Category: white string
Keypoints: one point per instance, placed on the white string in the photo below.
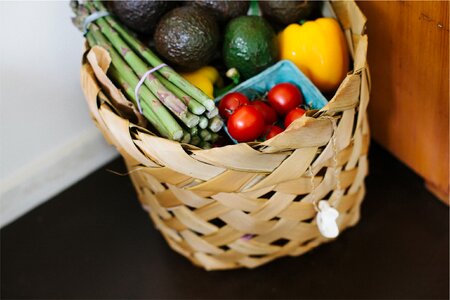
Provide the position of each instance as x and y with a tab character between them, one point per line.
326	214
335	167
141	81
313	188
335	162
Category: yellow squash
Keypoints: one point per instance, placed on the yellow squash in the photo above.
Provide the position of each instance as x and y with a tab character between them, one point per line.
204	78
319	49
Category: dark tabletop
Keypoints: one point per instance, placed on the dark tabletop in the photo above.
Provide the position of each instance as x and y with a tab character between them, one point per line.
94	241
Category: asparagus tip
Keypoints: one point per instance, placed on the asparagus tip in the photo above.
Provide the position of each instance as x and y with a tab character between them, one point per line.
216	124
203	123
195	140
186	138
177	135
205	145
198	110
209	105
212	113
192	121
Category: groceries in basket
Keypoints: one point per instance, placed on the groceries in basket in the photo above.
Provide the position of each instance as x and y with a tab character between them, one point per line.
171	59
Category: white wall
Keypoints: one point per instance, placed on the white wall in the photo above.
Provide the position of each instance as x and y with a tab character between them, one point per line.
47	140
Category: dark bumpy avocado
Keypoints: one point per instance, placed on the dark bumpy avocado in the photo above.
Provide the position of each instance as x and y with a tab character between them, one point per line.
287	12
223	10
249	45
187	37
140	16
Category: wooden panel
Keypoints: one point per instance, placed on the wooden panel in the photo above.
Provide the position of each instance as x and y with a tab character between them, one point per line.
409	108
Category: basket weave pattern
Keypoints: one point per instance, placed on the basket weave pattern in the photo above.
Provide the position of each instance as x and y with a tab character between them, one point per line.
247	204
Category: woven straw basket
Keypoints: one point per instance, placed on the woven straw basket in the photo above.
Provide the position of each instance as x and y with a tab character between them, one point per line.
244	205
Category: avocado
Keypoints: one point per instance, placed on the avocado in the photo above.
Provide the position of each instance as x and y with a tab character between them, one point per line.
140	16
187	37
287	12
249	45
223	10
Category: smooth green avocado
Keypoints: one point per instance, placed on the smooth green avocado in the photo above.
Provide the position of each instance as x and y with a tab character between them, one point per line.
249	45
187	37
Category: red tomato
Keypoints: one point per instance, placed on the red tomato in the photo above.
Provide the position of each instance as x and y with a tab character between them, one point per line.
230	103
284	97
246	124
272	131
293	115
269	114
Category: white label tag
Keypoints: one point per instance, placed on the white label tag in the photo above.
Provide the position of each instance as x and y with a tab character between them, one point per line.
326	220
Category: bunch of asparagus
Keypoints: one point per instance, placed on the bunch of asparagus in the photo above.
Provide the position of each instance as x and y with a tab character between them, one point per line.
176	109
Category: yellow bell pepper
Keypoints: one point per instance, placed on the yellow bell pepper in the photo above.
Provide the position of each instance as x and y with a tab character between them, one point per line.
319	49
204	78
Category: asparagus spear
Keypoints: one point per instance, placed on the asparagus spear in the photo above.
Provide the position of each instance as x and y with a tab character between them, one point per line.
193	105
212	113
194	131
195	140
186	137
147	111
91	40
205	145
205	135
159	111
215	124
203	122
214	137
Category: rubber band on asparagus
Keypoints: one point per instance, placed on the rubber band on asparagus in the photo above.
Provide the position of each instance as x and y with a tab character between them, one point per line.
141	81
